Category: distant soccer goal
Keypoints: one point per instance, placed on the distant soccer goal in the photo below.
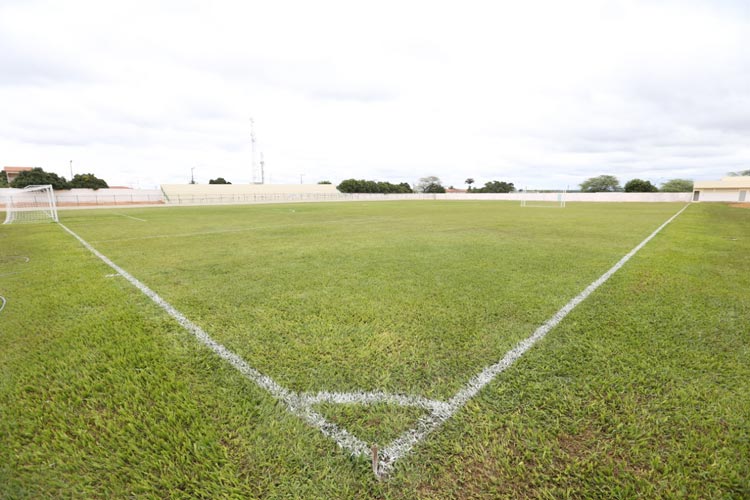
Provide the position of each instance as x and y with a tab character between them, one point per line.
31	204
543	198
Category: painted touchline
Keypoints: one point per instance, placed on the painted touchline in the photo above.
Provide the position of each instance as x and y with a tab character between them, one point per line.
296	405
301	405
430	422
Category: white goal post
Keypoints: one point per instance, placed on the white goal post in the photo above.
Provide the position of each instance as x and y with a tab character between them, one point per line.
31	204
543	198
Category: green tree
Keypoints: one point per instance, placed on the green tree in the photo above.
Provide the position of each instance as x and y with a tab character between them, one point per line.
640	186
87	181
218	180
433	187
740	173
430	184
600	184
324	182
3	179
677	186
496	187
469	182
363	186
37	176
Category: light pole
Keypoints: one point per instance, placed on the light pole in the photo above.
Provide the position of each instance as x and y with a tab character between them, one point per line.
300	178
71	170
192	179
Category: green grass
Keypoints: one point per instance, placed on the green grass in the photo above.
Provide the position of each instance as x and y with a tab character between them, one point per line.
642	391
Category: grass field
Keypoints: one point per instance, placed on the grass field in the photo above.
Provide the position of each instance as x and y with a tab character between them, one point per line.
643	390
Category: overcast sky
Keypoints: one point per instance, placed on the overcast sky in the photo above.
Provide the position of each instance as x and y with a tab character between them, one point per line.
541	93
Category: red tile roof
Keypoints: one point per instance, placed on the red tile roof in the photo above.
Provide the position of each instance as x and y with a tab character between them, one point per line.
15	170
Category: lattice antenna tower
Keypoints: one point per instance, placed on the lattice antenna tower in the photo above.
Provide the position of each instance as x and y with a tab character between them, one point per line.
262	169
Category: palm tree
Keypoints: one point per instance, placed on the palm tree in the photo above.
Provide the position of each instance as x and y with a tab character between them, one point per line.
469	181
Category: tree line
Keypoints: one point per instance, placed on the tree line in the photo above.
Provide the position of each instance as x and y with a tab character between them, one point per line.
429	184
37	176
610	184
363	186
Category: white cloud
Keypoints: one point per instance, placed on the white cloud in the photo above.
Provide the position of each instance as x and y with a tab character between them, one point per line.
541	92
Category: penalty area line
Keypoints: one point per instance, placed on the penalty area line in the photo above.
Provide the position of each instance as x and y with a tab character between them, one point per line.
130	217
296	404
428	423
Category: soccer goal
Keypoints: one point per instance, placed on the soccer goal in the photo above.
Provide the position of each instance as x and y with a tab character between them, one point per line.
31	204
543	198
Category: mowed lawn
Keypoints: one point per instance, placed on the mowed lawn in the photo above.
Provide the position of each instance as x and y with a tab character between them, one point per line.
642	391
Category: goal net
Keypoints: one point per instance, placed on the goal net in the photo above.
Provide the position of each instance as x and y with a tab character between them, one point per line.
31	204
543	198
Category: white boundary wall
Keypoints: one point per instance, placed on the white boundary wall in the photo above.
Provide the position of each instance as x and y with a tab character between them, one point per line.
99	197
87	197
123	197
240	198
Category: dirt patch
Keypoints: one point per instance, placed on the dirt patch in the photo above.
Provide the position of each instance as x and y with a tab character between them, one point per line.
740	205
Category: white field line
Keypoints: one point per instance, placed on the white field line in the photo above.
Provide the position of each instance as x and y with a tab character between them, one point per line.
296	405
301	404
370	398
2	306
130	217
428	423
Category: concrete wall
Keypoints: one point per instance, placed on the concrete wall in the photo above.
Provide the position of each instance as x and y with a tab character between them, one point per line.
573	197
270	193
215	190
99	197
90	197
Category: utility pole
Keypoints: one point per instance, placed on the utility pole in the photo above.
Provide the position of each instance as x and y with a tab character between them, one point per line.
71	170
262	171
192	178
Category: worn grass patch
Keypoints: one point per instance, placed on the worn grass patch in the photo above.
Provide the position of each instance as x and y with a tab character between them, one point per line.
376	424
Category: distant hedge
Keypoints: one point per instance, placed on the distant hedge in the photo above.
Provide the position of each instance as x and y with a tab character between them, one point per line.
363	186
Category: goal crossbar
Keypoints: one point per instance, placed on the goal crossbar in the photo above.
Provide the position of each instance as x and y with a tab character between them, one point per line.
31	204
543	198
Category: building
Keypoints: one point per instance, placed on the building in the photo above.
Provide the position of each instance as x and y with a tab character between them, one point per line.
731	189
12	172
